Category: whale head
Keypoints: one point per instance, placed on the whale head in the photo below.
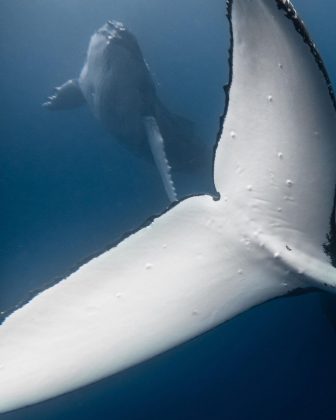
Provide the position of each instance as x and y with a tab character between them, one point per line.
114	35
116	81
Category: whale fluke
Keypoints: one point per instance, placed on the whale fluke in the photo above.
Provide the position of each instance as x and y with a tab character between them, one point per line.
203	261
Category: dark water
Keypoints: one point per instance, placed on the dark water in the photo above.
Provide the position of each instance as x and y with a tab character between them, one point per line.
69	191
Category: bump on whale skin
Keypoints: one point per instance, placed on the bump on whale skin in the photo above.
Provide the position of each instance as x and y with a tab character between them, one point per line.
203	261
117	85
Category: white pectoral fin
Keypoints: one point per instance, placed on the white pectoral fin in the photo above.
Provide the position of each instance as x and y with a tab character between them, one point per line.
161	286
156	143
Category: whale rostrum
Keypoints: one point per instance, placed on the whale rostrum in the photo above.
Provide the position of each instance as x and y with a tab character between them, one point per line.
203	261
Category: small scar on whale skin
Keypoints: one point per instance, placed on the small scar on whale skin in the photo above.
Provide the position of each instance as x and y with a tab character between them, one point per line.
289	248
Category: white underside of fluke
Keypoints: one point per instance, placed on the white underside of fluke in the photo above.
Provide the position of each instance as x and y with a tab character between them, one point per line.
203	261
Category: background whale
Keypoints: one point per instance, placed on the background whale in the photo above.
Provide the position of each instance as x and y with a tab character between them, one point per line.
117	85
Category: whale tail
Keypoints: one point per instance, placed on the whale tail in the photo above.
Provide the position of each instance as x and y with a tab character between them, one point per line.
204	261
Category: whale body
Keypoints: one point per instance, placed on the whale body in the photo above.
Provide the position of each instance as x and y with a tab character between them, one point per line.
204	261
117	84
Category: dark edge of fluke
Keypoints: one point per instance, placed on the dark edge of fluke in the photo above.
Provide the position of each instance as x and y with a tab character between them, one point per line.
330	246
226	89
291	14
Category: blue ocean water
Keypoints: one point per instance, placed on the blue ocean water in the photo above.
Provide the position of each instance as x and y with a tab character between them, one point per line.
69	191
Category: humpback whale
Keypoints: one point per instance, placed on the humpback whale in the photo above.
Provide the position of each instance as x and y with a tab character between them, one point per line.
204	261
117	85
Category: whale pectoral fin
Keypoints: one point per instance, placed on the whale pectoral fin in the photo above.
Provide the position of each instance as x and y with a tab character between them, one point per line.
67	96
190	155
156	144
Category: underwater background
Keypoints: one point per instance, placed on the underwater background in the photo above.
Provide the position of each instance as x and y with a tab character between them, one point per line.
70	191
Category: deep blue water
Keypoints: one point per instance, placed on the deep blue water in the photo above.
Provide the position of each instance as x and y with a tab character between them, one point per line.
68	191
